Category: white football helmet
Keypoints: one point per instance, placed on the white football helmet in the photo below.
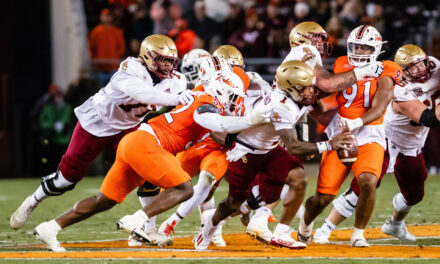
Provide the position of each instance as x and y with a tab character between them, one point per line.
227	88
191	64
210	65
369	38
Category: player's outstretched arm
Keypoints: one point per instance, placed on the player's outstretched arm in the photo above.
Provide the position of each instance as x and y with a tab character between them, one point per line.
329	83
296	147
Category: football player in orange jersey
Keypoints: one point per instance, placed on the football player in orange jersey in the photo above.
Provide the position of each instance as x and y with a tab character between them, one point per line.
361	108
148	155
208	156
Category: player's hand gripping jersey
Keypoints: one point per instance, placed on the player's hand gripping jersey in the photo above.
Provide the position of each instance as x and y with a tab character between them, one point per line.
127	98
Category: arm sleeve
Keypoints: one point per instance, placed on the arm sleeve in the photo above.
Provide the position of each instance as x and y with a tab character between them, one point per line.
217	123
139	90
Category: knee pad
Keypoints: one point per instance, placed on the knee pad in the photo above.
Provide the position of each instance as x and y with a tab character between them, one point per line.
55	184
255	200
400	203
206	179
148	190
345	204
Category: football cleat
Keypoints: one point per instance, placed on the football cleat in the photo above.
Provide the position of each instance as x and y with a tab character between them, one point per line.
130	222
133	242
21	215
217	237
321	237
284	239
45	233
398	231
167	228
152	238
257	228
202	240
358	241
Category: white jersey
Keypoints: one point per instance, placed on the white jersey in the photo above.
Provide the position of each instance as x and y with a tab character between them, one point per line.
127	98
261	139
306	53
407	138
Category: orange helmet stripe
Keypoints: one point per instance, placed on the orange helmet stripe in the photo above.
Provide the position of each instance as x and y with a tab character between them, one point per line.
361	32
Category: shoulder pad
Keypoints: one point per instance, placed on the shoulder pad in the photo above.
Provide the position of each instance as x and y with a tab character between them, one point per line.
207	108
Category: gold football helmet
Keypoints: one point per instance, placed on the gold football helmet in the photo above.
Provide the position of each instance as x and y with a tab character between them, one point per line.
297	80
407	57
156	48
231	54
310	33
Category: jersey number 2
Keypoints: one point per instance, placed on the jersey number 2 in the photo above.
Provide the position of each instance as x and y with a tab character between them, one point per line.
169	118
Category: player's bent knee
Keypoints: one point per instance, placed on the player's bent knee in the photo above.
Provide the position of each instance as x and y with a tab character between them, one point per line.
297	179
345	204
186	190
367	181
103	202
324	199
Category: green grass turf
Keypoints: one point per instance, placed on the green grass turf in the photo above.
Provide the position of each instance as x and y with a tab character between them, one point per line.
103	225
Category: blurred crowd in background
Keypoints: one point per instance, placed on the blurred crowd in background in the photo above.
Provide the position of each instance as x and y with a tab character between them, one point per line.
258	28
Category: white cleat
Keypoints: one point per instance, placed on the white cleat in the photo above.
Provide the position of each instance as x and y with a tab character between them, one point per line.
398	231
321	237
48	236
167	227
152	238
217	237
129	223
133	242
257	228
284	239
359	242
21	215
202	240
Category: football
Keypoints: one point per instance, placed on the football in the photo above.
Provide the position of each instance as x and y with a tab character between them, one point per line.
349	156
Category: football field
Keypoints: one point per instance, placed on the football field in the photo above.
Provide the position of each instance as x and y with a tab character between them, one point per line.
97	240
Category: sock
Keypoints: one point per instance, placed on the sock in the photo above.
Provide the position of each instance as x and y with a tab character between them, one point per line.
146	200
328	226
357	232
395	222
54	225
38	196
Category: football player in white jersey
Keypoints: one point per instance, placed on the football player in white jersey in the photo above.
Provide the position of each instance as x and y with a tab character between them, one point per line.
257	150
140	85
415	109
308	41
191	66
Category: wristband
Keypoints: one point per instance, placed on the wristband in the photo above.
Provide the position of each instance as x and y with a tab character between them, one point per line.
354	123
323	146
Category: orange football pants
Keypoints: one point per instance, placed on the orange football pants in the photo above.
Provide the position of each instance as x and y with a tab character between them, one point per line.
333	172
207	155
139	158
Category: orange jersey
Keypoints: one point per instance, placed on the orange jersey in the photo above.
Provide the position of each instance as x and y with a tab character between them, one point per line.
354	101
177	130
